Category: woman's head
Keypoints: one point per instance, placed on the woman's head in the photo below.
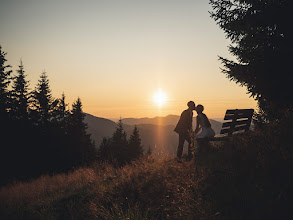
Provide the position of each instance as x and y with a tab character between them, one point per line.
199	108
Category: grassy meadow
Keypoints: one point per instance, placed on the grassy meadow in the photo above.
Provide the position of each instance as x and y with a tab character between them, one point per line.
245	177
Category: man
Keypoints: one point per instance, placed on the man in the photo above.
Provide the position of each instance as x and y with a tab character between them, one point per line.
183	128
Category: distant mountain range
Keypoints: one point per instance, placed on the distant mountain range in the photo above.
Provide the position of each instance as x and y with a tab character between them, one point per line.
155	132
167	120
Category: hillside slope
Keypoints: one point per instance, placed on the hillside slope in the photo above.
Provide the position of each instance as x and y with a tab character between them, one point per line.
99	127
144	190
230	180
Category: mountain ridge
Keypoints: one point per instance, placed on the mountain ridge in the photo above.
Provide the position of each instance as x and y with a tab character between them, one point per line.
155	132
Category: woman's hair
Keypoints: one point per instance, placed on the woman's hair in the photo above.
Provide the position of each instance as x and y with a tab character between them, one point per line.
199	108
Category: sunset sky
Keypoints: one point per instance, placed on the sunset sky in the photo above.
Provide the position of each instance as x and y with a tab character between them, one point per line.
117	54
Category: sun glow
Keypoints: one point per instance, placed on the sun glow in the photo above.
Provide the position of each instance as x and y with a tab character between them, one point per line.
160	98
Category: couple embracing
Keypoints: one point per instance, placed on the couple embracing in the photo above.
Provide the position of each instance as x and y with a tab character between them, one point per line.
184	128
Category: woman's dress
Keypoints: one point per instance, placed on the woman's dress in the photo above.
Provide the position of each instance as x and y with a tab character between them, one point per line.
206	129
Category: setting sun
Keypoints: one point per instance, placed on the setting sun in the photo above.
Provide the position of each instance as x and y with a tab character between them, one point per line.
160	98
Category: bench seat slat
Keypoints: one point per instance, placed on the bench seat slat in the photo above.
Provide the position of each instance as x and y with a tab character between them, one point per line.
237	123
239	111
239	116
240	120
239	128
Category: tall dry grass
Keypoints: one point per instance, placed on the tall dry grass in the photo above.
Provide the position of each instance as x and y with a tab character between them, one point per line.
147	189
247	177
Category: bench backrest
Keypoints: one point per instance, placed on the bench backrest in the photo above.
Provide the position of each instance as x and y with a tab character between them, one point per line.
238	120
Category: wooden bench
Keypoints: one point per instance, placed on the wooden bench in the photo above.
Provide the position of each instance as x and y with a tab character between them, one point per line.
238	120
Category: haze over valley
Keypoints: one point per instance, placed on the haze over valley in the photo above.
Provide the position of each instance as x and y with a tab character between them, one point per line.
157	131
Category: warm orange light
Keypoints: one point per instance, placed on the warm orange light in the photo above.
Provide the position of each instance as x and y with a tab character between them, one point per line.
160	98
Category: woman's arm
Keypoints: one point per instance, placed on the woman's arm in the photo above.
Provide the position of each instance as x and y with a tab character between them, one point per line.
207	121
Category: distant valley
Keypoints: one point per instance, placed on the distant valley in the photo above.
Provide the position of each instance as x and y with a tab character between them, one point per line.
156	131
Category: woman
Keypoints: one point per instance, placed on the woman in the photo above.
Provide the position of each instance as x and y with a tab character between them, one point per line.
204	125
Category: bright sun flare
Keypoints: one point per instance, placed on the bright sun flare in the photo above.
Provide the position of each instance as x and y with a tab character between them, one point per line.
160	98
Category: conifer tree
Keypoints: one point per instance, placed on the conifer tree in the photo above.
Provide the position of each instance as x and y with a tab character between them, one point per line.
20	95
119	136
260	33
115	149
42	100
104	153
83	145
119	144
135	147
77	125
149	152
61	113
4	83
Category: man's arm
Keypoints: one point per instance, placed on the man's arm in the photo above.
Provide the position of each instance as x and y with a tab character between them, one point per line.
197	129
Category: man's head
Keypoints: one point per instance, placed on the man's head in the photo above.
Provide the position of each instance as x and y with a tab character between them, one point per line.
191	105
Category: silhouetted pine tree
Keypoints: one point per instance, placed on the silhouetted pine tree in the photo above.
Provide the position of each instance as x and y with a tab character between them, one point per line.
4	83
83	147
115	149
119	144
119	136
77	125
149	151
20	95
6	135
61	113
104	152
54	140
42	101
261	34
135	148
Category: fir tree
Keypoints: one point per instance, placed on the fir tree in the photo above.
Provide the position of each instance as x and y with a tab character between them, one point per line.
61	113
119	145
149	151
4	83
43	101
77	125
119	136
20	95
260	35
135	147
104	150
83	146
115	149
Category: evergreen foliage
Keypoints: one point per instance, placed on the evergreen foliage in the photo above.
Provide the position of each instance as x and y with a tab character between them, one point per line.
149	151
43	101
20	95
38	132
135	147
82	145
77	126
119	135
61	113
5	80
104	153
260	38
115	150
118	150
